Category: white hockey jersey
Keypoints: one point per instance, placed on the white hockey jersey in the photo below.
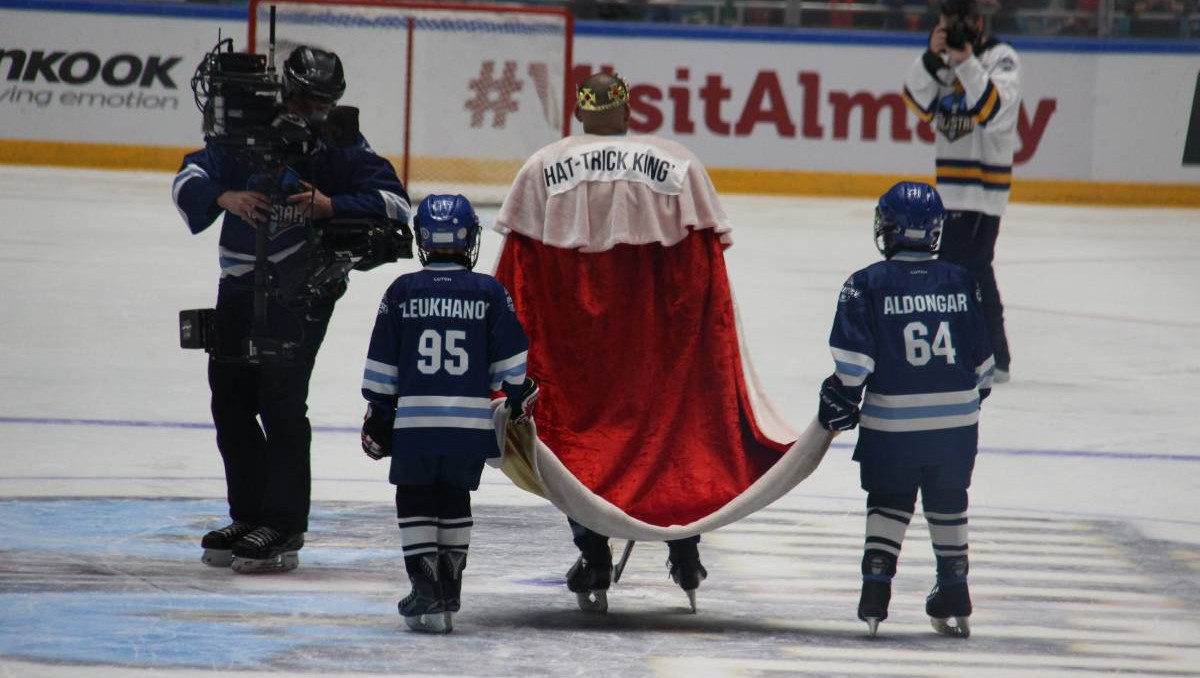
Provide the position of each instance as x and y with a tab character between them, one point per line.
974	108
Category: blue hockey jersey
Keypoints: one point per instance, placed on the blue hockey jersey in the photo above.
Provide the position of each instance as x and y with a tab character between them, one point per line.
359	183
445	339
910	332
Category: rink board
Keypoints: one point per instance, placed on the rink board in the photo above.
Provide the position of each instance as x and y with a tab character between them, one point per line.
779	112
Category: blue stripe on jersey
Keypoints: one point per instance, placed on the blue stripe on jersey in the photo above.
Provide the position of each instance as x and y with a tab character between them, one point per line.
475	412
919	412
515	375
919	425
849	368
379	383
380	377
444	422
510	370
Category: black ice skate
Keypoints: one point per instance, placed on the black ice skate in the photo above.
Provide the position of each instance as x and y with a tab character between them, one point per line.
688	573
878	568
423	608
266	549
950	601
450	568
218	544
589	581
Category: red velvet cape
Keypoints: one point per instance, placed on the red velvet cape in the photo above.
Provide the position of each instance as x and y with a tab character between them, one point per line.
636	351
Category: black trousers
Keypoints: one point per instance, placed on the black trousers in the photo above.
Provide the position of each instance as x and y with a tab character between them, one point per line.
969	240
261	416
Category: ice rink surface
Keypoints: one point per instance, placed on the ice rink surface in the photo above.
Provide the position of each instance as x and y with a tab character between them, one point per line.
1085	518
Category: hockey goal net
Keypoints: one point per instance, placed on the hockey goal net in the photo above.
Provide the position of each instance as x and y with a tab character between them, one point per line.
457	96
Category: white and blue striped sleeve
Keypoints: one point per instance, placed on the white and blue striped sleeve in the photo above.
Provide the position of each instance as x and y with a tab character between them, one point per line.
508	371
508	348
381	375
196	188
852	341
981	354
983	375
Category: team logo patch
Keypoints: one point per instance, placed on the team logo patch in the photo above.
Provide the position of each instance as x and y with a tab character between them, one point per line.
953	120
849	291
383	307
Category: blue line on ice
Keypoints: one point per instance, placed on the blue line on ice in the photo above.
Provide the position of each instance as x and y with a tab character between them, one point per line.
1014	452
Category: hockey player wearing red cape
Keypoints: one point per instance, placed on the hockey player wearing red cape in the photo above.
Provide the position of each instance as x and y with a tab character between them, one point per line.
651	425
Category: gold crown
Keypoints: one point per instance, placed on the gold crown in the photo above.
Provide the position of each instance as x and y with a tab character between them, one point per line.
617	95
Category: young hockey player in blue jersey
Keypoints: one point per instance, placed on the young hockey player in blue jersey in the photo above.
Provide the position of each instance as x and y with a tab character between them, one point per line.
910	332
445	339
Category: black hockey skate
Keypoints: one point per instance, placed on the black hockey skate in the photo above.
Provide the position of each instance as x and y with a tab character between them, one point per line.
589	581
423	608
218	544
878	568
687	573
950	601
265	549
450	568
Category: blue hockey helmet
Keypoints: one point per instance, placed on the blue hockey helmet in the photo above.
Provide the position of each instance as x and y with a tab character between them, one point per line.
447	230
909	217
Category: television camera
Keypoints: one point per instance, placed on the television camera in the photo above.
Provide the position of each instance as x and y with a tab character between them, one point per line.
241	98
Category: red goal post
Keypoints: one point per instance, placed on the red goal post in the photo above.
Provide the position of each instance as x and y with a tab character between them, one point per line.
458	96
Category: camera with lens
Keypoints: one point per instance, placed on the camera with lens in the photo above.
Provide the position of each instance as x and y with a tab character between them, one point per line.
241	98
333	248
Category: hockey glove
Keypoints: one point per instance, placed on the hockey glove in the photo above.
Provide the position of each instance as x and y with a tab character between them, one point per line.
836	412
377	431
520	406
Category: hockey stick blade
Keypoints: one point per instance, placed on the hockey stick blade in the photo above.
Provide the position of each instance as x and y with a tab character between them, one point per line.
624	559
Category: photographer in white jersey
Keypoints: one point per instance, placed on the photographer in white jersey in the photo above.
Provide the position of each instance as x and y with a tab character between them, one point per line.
968	84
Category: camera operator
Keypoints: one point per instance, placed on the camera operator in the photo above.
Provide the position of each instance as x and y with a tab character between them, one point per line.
969	85
267	470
